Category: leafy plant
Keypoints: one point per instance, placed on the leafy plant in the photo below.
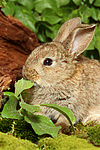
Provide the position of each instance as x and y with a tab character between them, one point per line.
40	124
2	3
44	17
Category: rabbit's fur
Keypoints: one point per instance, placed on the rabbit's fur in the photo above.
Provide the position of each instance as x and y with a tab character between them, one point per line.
70	79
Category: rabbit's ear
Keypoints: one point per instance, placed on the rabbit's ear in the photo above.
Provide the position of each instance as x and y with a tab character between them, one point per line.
79	39
67	28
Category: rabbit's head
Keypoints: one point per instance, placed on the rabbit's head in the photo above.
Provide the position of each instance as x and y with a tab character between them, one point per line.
54	62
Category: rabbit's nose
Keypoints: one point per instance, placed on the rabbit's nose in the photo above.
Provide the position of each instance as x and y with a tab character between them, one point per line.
30	74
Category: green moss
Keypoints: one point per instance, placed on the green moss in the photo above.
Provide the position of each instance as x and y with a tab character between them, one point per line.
91	132
65	142
18	128
81	131
8	142
24	130
5	125
94	134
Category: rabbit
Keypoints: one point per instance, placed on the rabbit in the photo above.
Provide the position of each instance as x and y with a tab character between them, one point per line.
62	76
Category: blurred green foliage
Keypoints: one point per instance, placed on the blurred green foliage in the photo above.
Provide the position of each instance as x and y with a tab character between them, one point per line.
2	3
44	17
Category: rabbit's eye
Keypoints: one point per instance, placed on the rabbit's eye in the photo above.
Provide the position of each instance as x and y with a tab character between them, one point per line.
48	62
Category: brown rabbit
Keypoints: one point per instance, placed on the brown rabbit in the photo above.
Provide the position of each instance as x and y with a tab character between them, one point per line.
64	77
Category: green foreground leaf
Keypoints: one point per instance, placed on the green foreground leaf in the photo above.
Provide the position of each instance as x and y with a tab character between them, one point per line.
42	125
9	93
63	110
22	85
29	108
9	110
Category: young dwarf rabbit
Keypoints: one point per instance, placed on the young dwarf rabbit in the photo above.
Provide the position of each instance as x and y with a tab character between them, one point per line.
64	77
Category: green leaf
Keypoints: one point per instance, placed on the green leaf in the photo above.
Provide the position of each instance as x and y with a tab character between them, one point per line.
99	15
53	32
22	85
63	110
2	3
40	5
27	3
91	1
12	0
67	13
9	9
26	17
26	95
62	2
77	2
42	125
85	13
92	44
74	13
9	110
97	42
29	108
42	26
36	16
9	93
97	3
94	13
50	16
93	54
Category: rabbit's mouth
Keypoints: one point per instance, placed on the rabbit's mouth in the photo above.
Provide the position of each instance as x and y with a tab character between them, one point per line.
31	74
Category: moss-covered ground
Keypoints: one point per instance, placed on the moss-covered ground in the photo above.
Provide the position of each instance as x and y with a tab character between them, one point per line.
62	142
8	142
18	135
65	142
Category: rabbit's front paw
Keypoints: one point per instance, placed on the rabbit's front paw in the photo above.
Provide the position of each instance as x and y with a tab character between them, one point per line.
64	123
